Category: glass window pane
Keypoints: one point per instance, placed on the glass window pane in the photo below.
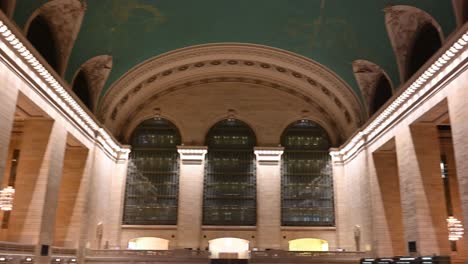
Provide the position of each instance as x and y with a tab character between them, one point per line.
306	178
153	175
230	186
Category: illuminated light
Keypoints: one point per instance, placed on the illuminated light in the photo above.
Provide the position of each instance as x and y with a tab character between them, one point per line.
442	61
6	33
28	259
465	37
14	42
455	228
446	56
7	195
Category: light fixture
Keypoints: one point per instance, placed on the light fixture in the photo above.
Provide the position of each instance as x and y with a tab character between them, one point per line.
455	228
6	198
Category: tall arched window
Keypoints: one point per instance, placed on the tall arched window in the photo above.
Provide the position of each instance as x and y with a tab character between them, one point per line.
153	174
306	178
81	89
41	37
230	180
382	92
426	43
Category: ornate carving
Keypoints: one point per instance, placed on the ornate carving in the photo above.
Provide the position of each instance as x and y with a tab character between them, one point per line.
64	18
97	70
282	69
367	75
403	23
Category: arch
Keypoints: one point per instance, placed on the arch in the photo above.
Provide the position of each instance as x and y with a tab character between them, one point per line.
376	87
306	177
148	243
229	247
426	42
81	88
151	196
248	99
41	37
147	83
229	196
64	18
96	70
383	92
404	25
460	8
8	7
308	244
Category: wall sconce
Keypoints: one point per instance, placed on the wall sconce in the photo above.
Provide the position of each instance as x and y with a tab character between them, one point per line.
6	198
455	228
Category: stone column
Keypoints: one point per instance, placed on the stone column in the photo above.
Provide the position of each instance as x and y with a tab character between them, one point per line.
421	188
190	212
117	198
37	184
71	197
388	222
338	195
269	197
459	125
8	98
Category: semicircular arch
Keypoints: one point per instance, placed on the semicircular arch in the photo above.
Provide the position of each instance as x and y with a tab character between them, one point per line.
213	62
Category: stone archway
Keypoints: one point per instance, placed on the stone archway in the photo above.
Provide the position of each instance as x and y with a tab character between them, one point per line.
331	100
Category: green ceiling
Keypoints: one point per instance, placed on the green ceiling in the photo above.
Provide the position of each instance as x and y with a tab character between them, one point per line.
331	32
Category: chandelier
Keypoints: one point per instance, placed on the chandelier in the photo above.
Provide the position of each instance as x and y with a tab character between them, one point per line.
6	198
455	228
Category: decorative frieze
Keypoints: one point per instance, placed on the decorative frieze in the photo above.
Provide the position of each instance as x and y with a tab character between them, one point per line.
268	155
192	155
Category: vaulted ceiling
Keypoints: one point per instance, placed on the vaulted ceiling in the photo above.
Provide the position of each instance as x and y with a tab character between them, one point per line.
331	32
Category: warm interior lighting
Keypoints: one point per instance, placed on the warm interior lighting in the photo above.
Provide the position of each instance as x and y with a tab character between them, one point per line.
455	228
148	243
6	198
308	244
229	247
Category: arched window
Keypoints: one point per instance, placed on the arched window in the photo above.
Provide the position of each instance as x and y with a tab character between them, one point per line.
426	43
230	185
382	92
41	37
81	89
306	178
153	174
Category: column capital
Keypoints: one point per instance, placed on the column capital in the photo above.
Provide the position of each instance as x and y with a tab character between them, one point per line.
268	155
192	155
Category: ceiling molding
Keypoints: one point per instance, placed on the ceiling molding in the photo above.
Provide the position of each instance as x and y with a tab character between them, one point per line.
295	73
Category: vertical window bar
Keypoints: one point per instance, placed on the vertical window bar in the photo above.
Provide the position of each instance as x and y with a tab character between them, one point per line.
153	175
230	179
306	178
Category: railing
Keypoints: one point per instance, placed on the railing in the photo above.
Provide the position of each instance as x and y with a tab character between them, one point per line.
59	251
279	256
281	253
177	253
187	256
17	248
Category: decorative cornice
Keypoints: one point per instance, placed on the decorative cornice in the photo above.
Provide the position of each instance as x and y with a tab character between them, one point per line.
268	155
403	24
17	49
182	67
447	63
192	155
